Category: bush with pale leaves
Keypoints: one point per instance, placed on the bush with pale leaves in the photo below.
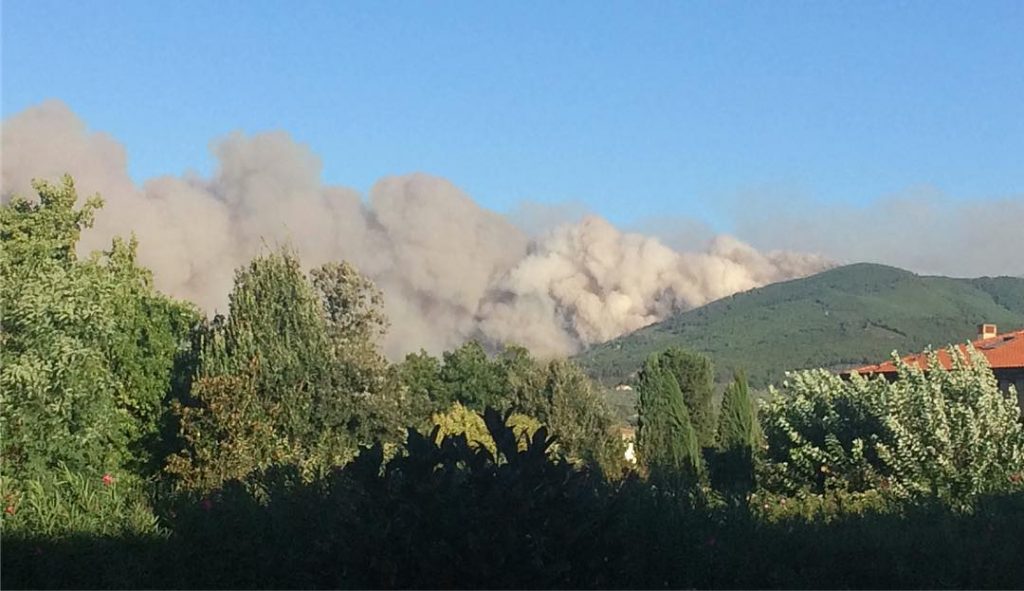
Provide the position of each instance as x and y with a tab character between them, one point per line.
950	434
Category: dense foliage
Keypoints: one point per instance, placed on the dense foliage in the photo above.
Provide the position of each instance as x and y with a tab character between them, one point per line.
88	347
739	439
275	447
951	435
290	376
447	514
460	421
667	442
737	418
695	376
557	394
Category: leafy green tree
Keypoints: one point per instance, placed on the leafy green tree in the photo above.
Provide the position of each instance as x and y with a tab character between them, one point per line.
473	379
353	306
580	420
666	440
821	435
557	394
695	376
88	348
525	381
420	374
309	382
353	310
234	433
47	230
148	350
276	320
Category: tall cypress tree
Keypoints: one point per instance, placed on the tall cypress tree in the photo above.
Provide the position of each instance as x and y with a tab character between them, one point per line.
737	422
732	469
666	440
695	376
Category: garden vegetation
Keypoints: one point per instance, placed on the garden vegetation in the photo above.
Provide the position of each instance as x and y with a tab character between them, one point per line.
146	445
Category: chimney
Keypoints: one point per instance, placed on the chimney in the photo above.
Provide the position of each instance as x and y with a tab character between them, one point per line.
987	331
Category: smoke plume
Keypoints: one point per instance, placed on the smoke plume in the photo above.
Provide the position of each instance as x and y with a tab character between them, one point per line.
450	270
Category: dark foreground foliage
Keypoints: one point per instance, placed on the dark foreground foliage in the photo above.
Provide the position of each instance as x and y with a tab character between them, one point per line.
453	515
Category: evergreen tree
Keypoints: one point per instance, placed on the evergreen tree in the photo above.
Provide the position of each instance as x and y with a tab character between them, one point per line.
732	466
737	419
695	376
666	440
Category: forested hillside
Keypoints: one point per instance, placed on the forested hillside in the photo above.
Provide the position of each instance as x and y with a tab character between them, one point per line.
837	319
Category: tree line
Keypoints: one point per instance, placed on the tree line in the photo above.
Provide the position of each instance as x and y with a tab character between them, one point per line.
276	446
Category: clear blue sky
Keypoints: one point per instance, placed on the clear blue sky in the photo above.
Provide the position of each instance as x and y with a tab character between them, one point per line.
637	109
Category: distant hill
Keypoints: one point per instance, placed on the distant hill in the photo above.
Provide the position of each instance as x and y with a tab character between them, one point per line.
838	319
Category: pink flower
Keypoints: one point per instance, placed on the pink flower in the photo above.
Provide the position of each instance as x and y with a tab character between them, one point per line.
9	510
108	480
206	504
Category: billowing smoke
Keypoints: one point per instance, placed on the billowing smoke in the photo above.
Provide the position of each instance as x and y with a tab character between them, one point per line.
450	270
597	283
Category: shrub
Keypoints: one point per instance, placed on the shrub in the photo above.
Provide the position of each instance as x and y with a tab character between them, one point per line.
63	503
951	435
459	420
821	434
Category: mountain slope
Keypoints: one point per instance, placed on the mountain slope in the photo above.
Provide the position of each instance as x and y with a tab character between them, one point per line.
841	318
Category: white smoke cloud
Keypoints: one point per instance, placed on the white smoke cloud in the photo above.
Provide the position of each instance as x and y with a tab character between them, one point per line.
450	270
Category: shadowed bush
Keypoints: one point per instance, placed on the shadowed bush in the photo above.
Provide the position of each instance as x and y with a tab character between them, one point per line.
447	514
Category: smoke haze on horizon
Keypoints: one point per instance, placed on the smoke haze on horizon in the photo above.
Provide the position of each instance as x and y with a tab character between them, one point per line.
552	278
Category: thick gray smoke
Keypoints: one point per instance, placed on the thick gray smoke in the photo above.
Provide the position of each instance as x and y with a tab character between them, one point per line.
450	270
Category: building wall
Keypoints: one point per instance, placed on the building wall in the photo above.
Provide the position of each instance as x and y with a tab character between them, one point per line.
1012	377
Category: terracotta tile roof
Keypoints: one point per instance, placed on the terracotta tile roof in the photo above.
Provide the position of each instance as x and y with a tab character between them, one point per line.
1002	351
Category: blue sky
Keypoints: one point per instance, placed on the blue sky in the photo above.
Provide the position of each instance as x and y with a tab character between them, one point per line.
637	109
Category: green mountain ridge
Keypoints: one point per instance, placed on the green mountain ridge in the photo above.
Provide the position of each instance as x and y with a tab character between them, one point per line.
838	319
